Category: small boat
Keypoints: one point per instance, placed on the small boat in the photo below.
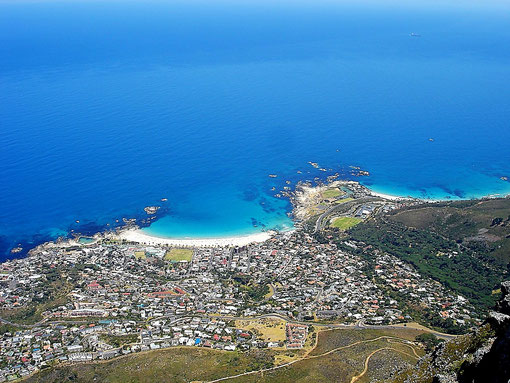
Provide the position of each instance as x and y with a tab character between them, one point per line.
273	175
412	34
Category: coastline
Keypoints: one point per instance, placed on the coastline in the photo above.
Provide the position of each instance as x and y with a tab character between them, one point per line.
300	198
433	200
396	197
136	235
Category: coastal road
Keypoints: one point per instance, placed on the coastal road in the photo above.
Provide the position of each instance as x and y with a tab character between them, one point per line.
352	206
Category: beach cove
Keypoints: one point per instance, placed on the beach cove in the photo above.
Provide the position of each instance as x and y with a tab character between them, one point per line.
203	116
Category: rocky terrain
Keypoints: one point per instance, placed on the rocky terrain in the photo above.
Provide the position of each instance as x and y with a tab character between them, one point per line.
482	356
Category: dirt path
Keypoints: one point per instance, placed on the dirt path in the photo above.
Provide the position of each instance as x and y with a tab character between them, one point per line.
307	356
408	345
359	376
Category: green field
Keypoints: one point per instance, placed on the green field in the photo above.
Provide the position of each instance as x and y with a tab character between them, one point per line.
332	193
119	340
344	223
178	255
140	255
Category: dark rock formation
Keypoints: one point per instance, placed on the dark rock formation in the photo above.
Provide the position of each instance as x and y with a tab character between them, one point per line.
482	356
492	364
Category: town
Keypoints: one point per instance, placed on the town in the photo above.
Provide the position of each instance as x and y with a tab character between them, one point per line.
77	302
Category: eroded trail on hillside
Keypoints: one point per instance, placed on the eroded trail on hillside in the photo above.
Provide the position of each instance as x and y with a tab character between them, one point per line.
367	360
308	356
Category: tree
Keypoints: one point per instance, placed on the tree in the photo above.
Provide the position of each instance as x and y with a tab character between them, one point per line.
430	341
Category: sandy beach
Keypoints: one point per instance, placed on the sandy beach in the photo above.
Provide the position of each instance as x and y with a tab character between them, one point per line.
389	196
137	235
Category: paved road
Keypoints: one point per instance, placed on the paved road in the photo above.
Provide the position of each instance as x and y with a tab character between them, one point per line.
359	325
354	205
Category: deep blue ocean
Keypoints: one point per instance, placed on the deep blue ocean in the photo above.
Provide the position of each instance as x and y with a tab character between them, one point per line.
108	106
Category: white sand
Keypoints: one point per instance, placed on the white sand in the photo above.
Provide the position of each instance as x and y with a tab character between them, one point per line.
136	235
388	196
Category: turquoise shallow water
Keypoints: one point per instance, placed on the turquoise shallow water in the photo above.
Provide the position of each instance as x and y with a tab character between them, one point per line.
193	217
107	107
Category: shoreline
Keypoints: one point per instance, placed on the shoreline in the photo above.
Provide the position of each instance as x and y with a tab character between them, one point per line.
303	191
396	197
136	235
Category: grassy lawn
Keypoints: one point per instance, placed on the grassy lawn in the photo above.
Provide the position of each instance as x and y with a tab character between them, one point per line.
140	255
177	255
332	193
119	340
344	223
270	293
270	330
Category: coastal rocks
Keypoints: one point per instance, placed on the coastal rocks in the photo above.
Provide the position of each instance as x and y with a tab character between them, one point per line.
358	172
332	177
16	250
151	209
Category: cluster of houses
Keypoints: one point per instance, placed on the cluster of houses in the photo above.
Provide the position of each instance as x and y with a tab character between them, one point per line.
296	335
130	293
